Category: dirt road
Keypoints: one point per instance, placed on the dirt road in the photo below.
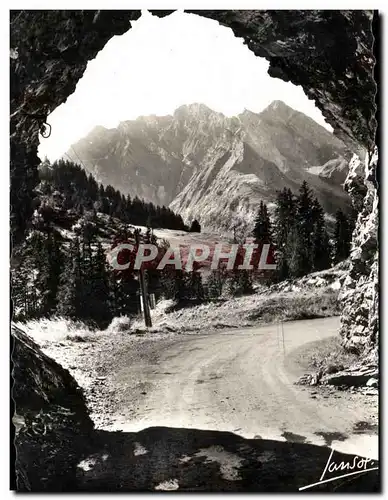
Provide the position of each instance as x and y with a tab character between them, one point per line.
214	412
240	381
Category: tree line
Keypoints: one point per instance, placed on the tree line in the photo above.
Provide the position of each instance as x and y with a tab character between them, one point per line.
73	279
298	231
53	276
80	192
70	279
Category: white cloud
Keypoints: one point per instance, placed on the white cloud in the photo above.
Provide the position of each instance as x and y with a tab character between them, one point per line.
161	64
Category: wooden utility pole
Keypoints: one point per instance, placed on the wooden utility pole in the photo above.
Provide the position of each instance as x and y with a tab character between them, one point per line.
143	289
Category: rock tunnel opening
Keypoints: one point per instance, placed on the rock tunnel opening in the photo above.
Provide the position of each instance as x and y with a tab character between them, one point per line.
121	83
160	76
301	46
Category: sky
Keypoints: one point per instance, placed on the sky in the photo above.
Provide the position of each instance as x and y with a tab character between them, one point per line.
161	64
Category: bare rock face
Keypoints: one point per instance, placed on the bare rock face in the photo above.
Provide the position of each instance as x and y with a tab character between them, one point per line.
214	168
53	428
360	317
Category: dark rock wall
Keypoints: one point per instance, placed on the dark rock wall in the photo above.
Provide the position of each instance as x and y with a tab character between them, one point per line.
328	53
49	51
360	294
53	427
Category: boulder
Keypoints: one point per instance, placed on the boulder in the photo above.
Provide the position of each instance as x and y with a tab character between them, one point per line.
349	378
52	425
373	382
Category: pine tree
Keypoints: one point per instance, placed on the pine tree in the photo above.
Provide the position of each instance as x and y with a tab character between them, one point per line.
81	191
238	282
182	281
215	283
262	231
195	227
195	286
129	296
148	235
26	285
245	282
52	272
37	276
304	227
320	243
296	253
86	276
285	213
342	237
71	292
308	246
168	286
114	294
99	306
38	264
284	220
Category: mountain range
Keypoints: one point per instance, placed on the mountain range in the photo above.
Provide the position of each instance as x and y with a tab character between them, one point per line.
215	168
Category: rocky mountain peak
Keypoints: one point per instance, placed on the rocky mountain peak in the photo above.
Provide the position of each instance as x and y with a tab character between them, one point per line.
279	110
247	113
196	113
98	130
193	109
280	106
215	168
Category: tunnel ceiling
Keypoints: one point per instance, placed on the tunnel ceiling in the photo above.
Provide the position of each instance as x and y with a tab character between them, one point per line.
328	53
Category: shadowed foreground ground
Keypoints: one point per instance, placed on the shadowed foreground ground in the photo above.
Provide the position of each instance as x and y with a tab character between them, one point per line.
162	458
59	449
